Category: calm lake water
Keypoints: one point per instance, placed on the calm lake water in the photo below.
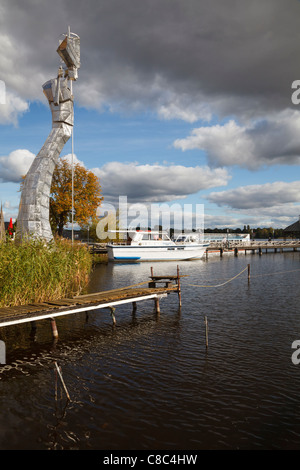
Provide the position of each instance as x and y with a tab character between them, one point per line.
149	382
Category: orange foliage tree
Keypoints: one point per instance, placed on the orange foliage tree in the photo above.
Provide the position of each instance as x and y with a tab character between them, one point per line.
87	196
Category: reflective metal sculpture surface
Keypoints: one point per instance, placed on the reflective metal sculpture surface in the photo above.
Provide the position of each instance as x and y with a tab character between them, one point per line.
33	218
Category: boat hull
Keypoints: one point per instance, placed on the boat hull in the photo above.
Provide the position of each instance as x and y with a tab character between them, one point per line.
155	253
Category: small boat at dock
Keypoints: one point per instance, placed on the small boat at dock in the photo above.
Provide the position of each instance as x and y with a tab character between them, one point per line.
144	245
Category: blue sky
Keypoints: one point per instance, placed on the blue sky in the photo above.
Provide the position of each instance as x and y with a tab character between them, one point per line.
183	102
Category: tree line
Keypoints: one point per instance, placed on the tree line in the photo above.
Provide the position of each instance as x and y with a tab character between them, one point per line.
265	232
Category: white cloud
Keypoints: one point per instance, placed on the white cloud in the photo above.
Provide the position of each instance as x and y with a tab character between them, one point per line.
15	165
69	159
156	183
274	140
183	106
13	107
263	197
221	221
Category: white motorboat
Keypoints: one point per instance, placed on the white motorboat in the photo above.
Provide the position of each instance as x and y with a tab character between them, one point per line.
156	246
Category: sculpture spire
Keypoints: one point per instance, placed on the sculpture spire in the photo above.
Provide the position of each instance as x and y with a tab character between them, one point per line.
33	218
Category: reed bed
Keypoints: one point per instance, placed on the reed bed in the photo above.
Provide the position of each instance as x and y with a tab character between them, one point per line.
34	272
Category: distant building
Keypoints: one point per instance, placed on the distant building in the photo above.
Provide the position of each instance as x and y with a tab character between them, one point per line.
224	237
293	229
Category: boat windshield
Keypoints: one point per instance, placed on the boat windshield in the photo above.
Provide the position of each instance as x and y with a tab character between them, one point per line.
139	236
188	238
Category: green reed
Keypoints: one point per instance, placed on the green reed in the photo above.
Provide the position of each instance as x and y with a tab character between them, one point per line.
35	272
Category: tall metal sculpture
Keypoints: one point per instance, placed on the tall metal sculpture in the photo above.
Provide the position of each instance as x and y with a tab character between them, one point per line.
33	219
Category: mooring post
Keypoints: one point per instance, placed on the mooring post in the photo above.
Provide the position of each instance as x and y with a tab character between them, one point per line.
54	328
133	307
248	272
206	331
112	313
152	282
33	330
178	288
156	301
33	327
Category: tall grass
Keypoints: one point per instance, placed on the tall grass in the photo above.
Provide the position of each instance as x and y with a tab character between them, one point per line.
35	272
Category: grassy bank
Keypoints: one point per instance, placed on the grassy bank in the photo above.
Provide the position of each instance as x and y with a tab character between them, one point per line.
33	272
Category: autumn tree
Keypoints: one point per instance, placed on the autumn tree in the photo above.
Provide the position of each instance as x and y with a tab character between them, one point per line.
87	196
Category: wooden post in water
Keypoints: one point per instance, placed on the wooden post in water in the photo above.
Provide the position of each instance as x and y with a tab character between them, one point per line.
54	328
33	330
206	331
248	272
178	284
156	301
112	313
133	307
152	283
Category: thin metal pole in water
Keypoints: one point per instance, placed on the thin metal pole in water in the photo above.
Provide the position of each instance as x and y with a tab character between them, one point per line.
58	368
206	331
179	288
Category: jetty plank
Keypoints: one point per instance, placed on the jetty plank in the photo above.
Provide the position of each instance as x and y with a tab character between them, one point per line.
31	312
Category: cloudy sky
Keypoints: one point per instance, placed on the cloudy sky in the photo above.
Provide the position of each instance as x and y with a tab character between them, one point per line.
185	101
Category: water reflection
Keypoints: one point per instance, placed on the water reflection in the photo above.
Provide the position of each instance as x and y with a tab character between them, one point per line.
149	382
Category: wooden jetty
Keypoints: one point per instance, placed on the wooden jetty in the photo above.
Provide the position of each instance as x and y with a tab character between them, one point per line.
275	246
157	288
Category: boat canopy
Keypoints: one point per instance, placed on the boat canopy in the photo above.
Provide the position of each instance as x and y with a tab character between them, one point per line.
139	235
